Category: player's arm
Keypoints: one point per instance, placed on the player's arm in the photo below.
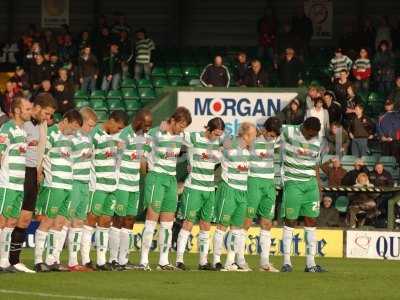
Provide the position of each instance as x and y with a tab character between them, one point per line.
4	141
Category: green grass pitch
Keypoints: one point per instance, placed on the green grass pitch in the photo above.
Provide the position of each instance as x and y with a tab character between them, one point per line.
346	279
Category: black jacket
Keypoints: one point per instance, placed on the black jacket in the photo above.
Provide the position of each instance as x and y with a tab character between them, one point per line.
290	72
61	97
38	73
215	75
350	178
335	112
89	67
240	72
256	80
112	65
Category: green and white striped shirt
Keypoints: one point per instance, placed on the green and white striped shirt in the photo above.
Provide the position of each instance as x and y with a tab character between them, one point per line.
262	158
57	160
235	165
300	157
105	160
143	50
82	154
12	148
134	149
164	151
203	155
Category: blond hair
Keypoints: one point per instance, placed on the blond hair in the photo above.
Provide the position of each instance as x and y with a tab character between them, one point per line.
245	128
88	113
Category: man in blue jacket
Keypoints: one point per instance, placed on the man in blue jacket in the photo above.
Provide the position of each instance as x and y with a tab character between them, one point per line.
388	129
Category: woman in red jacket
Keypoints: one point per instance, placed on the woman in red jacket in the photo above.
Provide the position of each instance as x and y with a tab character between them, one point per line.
362	71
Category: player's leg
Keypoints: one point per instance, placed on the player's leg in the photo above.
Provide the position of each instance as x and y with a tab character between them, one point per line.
102	232
292	195
310	211
153	195
87	233
18	235
3	221
189	207
167	216
206	216
127	237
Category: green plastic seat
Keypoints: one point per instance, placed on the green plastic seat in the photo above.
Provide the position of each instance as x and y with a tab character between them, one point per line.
177	81
79	94
128	82
388	161
133	105
114	94
341	204
98	94
369	160
160	82
191	72
144	83
116	105
147	93
374	97
79	103
349	159
194	82
174	72
159	72
130	94
102	115
98	104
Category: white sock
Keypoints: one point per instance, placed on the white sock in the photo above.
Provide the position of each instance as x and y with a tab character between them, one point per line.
217	245
287	237
101	244
232	247
265	245
164	242
311	243
5	241
74	245
52	241
61	237
113	244
181	244
125	245
40	242
147	240
86	243
204	245
241	247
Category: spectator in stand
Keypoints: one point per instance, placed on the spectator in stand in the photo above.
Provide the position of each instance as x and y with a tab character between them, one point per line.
39	71
54	65
395	94
256	76
339	63
334	108
340	87
21	78
30	56
63	97
352	101
266	28
215	74
384	33
143	48
294	115
335	172
7	98
125	45
337	139
120	25
241	68
290	70
314	92
351	176
287	39
328	215
45	87
112	70
302	28
360	131
63	77
103	43
362	202
321	114
362	71
88	70
49	42
84	40
384	68
380	177
388	129
68	51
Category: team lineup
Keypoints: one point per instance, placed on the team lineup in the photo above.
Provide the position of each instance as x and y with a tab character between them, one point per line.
81	178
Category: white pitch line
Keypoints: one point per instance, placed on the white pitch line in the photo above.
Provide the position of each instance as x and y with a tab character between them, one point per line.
13	292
